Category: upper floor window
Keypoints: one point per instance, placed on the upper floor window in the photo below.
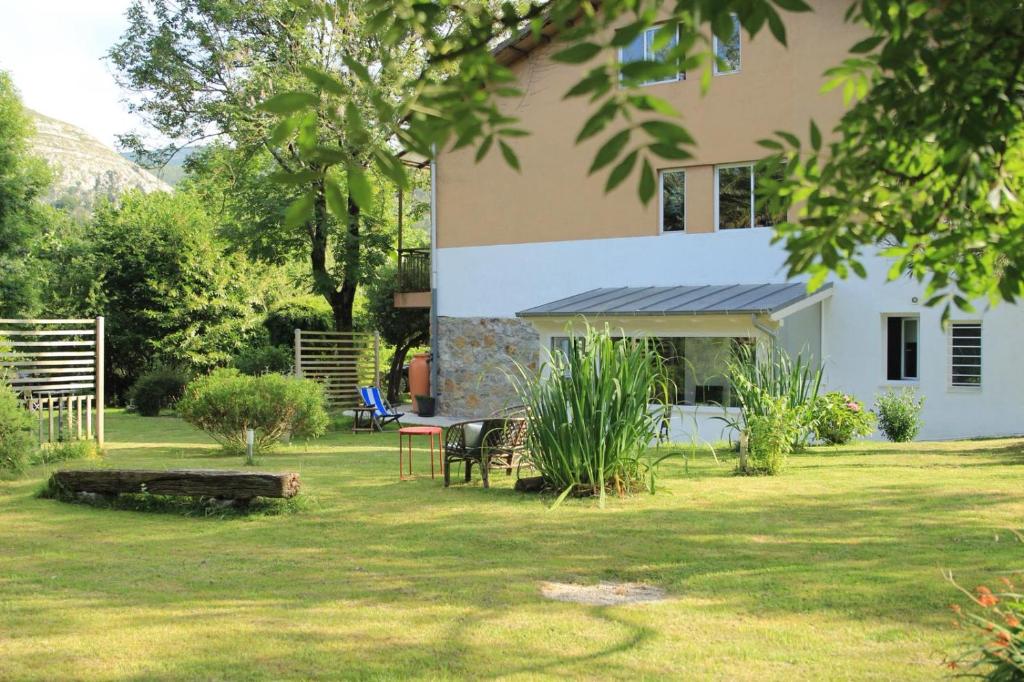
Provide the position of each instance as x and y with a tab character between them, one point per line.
728	51
965	354
642	49
736	204
673	201
901	348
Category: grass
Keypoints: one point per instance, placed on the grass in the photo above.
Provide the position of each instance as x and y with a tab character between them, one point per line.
829	571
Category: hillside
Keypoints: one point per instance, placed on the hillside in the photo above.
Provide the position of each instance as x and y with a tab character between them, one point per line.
174	171
84	168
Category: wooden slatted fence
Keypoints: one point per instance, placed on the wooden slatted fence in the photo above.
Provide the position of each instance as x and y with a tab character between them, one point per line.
340	361
56	366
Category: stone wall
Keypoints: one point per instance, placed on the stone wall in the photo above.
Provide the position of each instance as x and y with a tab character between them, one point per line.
477	356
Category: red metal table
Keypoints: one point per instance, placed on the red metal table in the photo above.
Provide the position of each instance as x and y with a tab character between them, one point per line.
408	432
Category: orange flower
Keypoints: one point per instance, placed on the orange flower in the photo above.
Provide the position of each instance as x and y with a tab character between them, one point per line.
1006	581
985	597
952	665
1002	639
955	608
1012	620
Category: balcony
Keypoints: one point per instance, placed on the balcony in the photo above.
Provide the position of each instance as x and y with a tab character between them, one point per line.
413	290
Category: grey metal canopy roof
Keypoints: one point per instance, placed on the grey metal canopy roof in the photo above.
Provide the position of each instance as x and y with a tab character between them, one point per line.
710	299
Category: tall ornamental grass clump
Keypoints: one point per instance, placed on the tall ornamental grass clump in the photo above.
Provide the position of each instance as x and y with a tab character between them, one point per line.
227	403
594	412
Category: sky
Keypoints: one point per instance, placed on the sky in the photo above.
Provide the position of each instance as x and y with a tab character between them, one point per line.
54	51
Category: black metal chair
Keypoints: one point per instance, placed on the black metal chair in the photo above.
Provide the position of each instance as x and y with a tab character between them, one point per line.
498	442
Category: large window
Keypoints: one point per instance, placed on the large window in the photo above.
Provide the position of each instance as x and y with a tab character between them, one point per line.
902	348
965	354
642	49
673	201
697	368
737	197
728	51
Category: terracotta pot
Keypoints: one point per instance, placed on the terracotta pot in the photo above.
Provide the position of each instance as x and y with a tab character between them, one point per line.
419	378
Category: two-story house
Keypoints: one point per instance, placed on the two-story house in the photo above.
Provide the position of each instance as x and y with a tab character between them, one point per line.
518	256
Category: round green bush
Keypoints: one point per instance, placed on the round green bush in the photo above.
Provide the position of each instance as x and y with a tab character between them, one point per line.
263	359
899	414
309	313
156	390
16	442
838	418
226	403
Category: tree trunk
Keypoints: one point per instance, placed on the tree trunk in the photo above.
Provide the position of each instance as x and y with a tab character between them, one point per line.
207	482
341	299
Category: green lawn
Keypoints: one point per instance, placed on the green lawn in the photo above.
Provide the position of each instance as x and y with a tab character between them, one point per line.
830	571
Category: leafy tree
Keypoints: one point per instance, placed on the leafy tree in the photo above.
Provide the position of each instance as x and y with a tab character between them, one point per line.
170	294
404	328
203	67
928	160
23	178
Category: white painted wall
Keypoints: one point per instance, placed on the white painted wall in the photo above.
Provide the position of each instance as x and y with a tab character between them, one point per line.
498	281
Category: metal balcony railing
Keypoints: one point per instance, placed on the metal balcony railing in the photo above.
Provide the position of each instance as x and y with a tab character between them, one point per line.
413	270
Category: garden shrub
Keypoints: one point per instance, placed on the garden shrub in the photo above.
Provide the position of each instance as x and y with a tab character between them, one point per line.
899	414
771	435
226	403
157	389
592	416
16	441
308	313
264	359
839	418
66	451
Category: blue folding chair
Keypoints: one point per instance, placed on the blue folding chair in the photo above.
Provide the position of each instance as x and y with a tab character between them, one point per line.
383	413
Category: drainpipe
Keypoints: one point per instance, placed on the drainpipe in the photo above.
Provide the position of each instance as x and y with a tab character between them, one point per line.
434	356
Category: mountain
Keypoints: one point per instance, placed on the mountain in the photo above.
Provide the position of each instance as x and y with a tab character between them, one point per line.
174	171
84	168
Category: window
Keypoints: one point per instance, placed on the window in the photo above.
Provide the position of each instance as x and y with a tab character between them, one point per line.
697	368
736	199
642	50
965	354
901	348
673	201
728	51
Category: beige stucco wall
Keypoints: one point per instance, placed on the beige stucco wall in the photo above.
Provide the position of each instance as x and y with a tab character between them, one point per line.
778	88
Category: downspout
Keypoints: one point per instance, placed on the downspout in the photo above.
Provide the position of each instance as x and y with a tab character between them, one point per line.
434	356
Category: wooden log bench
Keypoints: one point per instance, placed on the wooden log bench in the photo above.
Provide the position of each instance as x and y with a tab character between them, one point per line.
218	483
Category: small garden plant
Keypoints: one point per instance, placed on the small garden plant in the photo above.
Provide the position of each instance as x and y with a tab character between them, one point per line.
770	434
840	418
227	403
899	414
997	620
16	442
593	414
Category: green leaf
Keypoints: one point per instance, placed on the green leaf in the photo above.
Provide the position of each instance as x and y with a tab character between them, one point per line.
647	183
484	147
815	137
867	45
509	154
621	171
670	151
289	102
323	80
667	132
336	203
793	5
359	187
300	211
577	54
360	71
610	150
